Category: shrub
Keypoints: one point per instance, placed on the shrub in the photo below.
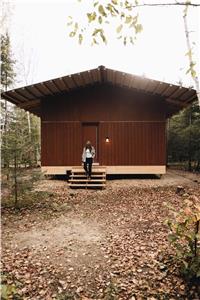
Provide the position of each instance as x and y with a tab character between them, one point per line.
185	237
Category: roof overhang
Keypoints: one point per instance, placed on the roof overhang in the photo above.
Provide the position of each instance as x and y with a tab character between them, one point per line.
30	97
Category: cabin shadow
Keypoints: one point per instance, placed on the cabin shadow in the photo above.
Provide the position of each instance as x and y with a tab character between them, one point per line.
132	176
112	177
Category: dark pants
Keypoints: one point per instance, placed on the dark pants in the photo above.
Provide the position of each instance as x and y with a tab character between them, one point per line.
88	166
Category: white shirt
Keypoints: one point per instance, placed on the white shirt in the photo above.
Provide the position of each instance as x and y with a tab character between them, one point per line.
88	153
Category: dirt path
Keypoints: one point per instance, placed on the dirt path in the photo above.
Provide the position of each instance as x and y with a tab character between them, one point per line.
87	244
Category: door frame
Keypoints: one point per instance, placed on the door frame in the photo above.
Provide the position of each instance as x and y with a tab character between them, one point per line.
97	136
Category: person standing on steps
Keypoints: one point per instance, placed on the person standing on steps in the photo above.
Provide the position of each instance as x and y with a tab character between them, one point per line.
87	158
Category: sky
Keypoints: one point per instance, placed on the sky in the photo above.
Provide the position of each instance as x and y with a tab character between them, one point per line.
43	49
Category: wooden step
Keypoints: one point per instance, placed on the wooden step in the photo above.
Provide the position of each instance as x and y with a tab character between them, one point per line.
78	178
93	171
84	176
86	185
87	180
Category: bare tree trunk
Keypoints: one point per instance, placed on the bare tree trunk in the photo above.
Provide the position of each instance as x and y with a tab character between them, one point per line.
15	179
29	136
6	163
5	117
189	48
189	143
29	123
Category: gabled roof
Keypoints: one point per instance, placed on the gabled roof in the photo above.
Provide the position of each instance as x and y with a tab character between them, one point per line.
29	97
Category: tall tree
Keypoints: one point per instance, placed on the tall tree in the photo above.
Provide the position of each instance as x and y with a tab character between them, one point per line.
191	68
184	138
18	151
7	79
7	75
7	63
26	70
13	118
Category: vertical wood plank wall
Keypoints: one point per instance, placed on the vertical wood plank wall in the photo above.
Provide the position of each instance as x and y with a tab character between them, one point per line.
61	144
131	143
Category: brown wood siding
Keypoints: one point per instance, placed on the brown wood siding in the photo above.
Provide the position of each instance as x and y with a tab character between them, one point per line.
61	144
131	143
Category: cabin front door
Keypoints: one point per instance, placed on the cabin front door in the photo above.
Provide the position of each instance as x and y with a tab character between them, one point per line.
90	133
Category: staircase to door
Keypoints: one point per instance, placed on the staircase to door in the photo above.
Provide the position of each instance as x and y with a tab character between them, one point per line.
78	179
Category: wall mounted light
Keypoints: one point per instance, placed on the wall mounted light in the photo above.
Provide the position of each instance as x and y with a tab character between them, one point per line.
107	139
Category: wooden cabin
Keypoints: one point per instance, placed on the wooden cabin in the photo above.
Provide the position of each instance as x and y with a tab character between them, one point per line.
123	115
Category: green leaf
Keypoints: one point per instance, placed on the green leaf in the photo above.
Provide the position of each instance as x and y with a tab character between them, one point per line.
189	53
69	23
128	19
138	28
72	33
134	21
119	28
192	64
128	5
185	264
96	31
188	71
4	291
94	41
76	26
193	73
80	38
103	37
112	10
102	11
179	253
198	236
100	19
91	16
131	40
7	290
172	237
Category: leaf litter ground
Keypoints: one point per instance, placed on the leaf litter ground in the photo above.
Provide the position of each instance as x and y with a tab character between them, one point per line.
93	244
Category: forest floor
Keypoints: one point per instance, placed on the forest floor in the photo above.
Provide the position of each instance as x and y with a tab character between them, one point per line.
97	244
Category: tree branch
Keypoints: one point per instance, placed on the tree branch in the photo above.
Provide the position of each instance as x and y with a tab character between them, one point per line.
164	4
191	62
